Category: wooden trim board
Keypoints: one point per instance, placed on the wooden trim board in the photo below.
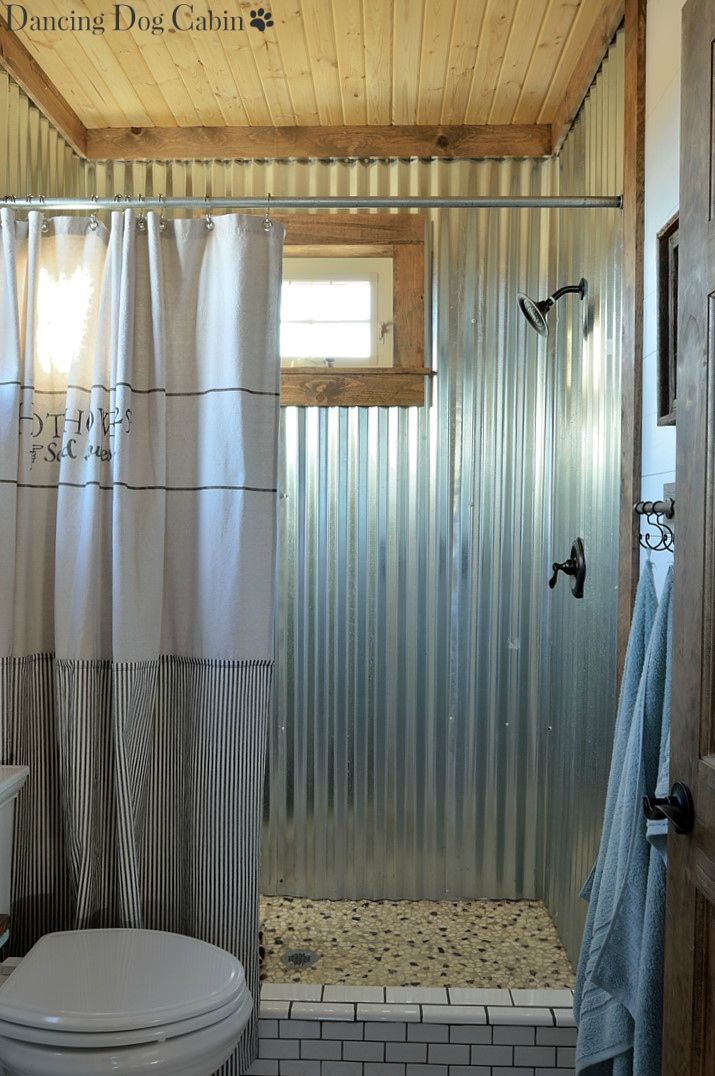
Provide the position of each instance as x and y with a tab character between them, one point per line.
632	332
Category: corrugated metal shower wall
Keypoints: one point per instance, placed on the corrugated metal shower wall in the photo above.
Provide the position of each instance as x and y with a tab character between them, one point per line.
404	748
579	692
443	722
34	158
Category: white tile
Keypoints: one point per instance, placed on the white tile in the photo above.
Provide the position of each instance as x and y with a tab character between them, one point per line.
268	1029
521	1015
566	1057
511	1071
300	1068
543	998
544	1056
299	1029
454	1014
414	1052
427	1033
433	995
471	1033
470	1070
472	996
448	1053
383	1068
341	1068
391	1013
264	1067
564	1018
321	1049
364	1051
288	1048
322	1010
556	1036
339	1030
516	1036
274	1010
427	1070
386	1032
354	993
291	992
491	1055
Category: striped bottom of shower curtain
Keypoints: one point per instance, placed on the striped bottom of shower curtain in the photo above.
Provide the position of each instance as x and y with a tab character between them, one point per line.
143	805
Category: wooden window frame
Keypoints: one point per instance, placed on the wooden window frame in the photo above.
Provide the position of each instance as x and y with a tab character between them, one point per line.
667	241
400	236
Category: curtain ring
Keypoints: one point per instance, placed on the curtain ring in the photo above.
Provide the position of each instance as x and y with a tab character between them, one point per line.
93	222
162	220
267	222
209	218
44	227
141	217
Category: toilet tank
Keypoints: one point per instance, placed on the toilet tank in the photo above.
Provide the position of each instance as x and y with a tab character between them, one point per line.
12	778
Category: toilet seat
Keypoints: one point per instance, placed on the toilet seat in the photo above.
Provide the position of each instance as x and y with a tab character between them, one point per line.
99	989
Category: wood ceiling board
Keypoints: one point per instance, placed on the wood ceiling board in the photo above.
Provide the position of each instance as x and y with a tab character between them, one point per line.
28	74
545	59
434	63
351	59
320	35
269	65
286	143
523	41
609	18
242	62
296	64
409	16
84	88
490	57
469	16
378	30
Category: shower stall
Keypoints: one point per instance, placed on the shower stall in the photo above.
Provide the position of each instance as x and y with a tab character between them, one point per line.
442	719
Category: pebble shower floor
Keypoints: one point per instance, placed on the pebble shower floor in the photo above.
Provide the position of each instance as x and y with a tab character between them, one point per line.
483	943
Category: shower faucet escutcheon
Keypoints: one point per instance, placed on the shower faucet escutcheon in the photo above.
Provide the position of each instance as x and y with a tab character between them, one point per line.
575	567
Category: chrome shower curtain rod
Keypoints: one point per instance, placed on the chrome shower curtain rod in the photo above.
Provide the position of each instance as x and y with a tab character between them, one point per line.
330	202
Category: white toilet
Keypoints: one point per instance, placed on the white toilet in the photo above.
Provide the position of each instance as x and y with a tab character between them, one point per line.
89	1002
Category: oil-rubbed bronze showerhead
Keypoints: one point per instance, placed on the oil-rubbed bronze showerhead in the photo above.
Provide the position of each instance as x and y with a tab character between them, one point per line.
536	312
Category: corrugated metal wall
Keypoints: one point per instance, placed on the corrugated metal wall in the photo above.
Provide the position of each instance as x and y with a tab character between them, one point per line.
34	158
579	692
403	754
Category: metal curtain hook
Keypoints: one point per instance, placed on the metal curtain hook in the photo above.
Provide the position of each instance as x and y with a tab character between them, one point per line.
44	227
209	218
141	217
162	221
93	222
267	222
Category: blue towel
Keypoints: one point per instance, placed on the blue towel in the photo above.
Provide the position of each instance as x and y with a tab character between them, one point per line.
611	965
657	830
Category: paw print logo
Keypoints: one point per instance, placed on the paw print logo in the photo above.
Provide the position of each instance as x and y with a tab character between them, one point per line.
261	19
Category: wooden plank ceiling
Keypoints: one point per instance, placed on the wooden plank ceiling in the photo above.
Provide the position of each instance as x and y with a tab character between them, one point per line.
324	77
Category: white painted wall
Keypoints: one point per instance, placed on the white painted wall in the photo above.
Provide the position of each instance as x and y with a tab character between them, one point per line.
662	143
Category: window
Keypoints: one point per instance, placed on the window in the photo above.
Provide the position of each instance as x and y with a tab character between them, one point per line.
352	310
336	312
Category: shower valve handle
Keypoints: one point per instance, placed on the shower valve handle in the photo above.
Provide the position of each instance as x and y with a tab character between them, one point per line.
575	566
568	567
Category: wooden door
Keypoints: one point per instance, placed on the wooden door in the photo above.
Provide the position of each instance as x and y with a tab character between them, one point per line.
689	1001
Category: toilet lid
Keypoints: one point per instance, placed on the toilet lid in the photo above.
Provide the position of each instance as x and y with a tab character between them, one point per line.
119	980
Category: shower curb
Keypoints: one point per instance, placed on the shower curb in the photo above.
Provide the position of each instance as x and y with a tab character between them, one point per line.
313	1030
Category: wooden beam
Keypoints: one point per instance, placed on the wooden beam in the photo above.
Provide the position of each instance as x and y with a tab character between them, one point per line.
284	143
632	331
609	19
28	74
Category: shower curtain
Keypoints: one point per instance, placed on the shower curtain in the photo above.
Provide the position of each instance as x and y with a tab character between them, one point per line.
139	382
